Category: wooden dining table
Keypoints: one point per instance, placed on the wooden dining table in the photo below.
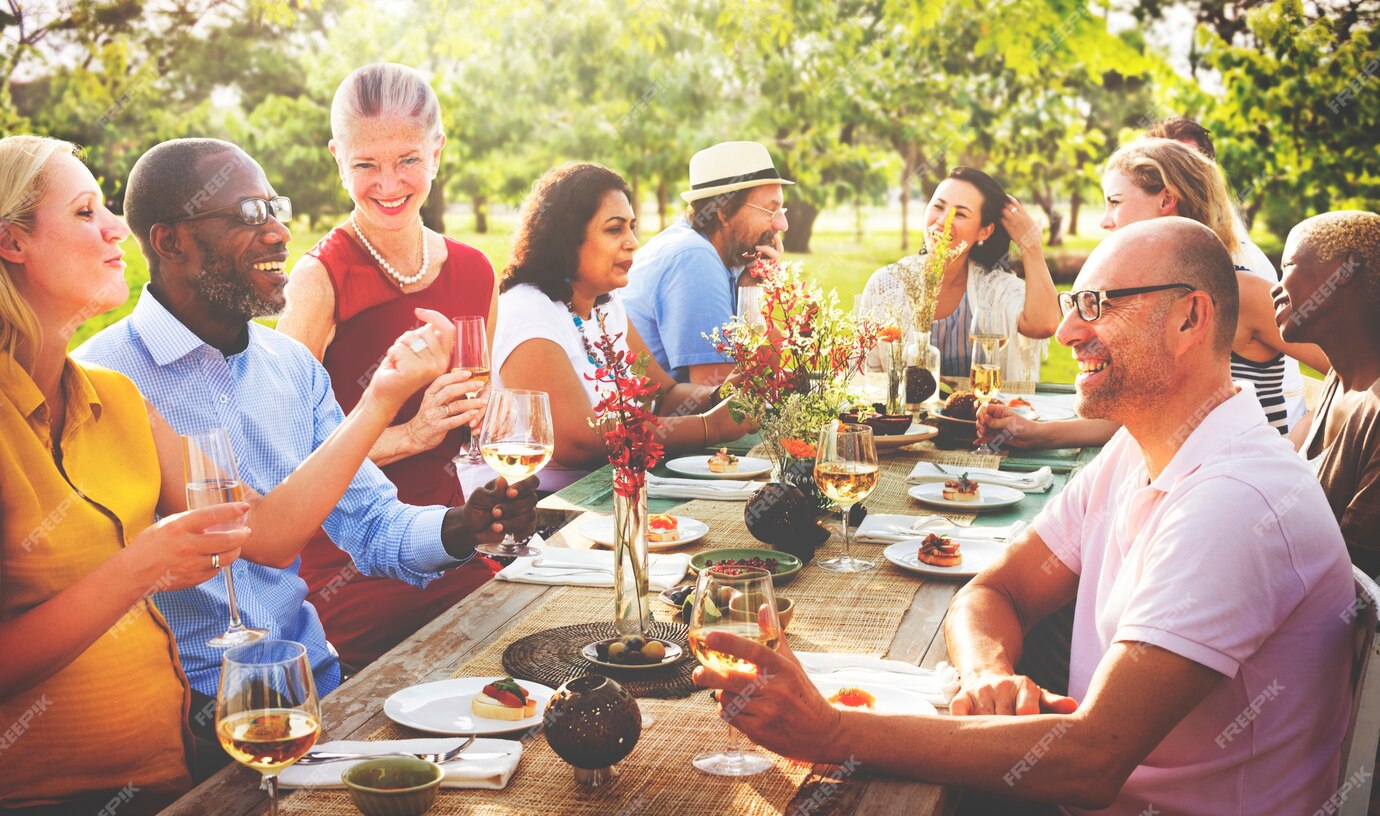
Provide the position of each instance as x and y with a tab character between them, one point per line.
468	640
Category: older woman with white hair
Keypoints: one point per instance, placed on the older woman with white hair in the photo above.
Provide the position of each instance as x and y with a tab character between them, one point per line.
347	297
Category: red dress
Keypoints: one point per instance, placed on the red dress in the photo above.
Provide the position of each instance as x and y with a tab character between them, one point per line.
365	616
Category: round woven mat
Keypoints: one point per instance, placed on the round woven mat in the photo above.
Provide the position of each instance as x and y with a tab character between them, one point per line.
552	657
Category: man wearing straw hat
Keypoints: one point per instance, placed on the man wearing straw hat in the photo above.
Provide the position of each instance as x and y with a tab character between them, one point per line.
684	282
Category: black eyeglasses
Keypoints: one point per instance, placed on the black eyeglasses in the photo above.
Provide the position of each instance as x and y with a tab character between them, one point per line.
251	211
1089	301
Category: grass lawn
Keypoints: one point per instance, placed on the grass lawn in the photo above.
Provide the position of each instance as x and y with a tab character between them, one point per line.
838	262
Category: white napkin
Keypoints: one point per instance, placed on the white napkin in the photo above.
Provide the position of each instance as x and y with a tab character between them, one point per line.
1036	481
884	528
937	685
665	487
568	567
488	763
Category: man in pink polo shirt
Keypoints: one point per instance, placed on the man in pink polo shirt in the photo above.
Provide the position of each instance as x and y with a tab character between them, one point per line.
1210	658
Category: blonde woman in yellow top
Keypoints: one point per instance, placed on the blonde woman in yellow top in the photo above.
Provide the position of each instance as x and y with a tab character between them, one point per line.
94	702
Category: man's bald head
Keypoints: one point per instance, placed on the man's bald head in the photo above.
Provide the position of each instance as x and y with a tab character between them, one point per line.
1175	250
173	180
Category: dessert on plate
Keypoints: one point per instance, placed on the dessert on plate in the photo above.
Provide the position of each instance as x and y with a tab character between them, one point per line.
961	489
662	527
723	462
503	699
853	698
939	551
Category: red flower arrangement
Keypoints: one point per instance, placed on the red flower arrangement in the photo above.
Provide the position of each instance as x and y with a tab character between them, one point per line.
622	415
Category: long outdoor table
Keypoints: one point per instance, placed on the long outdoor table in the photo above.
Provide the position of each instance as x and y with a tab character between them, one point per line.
497	613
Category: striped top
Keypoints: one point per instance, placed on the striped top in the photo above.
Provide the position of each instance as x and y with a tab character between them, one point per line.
950	336
1268	379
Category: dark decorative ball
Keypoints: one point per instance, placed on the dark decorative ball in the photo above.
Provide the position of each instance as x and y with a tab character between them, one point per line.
920	384
856	514
778	511
592	722
802	544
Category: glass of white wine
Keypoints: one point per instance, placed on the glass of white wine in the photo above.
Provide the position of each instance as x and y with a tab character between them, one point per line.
846	470
267	713
517	442
739	601
989	336
212	478
472	354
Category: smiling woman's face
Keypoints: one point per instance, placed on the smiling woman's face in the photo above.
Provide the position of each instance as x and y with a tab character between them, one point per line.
965	201
74	257
607	252
387	167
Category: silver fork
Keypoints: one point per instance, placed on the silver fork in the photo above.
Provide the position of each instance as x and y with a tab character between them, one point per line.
322	757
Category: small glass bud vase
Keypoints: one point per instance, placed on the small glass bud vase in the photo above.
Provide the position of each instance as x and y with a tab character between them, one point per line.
631	612
922	374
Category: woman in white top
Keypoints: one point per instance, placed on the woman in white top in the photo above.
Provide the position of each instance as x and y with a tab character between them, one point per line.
986	220
572	252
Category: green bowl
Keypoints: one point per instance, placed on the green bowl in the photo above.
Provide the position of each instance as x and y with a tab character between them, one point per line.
787	565
393	786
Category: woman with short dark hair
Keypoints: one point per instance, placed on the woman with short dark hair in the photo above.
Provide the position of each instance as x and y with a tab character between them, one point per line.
985	222
571	256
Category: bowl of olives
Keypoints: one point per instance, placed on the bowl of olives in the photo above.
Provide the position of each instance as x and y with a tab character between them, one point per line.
632	652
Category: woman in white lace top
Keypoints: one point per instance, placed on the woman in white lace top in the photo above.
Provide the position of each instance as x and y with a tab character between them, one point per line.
985	222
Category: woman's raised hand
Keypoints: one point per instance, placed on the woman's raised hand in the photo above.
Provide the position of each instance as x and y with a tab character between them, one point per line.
177	552
1023	229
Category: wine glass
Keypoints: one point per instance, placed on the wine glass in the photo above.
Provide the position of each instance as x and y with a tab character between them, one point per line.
472	354
739	601
750	301
989	336
517	441
212	478
846	470
267	713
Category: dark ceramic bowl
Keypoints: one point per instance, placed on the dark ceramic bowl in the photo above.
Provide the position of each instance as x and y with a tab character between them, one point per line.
888	424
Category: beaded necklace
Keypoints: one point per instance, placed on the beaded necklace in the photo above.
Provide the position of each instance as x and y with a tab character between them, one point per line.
580	329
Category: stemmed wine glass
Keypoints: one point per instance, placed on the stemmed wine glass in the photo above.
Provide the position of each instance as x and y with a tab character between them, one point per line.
739	601
846	470
212	478
472	354
989	336
517	441
267	713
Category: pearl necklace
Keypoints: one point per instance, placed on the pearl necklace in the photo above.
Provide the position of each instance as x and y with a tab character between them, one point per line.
403	280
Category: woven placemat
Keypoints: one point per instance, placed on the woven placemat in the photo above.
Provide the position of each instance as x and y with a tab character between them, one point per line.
552	657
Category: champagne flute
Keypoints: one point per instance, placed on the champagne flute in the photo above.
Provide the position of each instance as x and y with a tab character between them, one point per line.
846	470
267	713
989	336
212	478
739	601
517	442
472	354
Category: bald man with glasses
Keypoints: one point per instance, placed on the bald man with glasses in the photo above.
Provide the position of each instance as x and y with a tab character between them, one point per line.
1210	660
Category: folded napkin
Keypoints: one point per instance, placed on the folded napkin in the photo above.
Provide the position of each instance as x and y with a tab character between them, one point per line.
665	487
568	567
937	685
884	528
1036	481
488	763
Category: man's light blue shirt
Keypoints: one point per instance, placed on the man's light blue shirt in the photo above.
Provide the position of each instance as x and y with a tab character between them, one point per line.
679	291
275	400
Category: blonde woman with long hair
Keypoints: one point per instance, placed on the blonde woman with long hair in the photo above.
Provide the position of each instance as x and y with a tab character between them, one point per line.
90	667
1152	178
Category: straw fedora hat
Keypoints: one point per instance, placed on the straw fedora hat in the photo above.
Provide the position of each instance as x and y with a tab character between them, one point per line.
730	166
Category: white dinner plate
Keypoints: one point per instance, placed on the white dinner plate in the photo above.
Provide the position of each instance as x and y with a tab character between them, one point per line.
890	699
989	497
600	531
978	555
443	707
748	467
1044	410
915	433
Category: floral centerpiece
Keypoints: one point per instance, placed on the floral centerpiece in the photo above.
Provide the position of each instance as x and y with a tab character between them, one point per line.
794	366
921	277
623	417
